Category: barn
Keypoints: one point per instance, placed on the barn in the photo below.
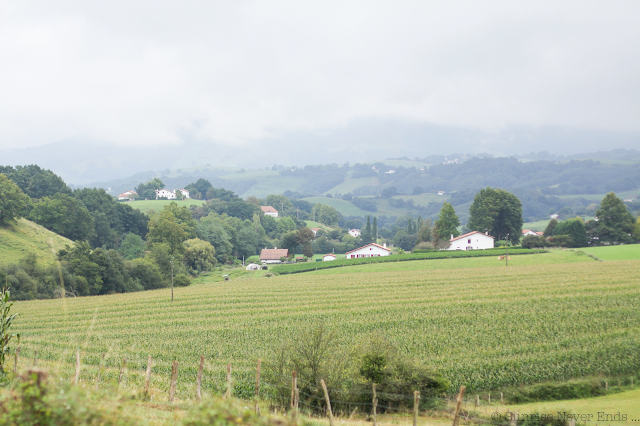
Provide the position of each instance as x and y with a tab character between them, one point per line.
273	255
370	250
472	241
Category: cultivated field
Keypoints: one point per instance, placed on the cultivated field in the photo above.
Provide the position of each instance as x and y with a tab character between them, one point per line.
485	328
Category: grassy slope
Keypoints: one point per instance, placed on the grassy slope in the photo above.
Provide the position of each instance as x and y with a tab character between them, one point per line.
150	205
626	252
344	207
27	237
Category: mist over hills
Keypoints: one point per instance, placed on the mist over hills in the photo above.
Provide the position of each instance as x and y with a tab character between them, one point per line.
82	161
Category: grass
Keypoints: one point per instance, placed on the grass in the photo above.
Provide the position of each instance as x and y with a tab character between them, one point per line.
486	328
25	237
350	184
346	208
152	205
273	185
623	252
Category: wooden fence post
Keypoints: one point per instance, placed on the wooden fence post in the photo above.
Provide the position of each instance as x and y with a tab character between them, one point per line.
15	365
147	377
326	397
77	377
258	387
124	363
174	377
606	385
35	359
294	394
458	402
99	368
374	401
199	379
416	407
501	398
228	393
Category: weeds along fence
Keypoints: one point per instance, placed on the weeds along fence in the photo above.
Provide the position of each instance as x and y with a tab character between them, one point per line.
172	382
441	254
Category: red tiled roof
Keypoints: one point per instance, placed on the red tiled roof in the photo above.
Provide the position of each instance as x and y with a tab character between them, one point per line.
268	209
330	254
271	254
470	233
372	244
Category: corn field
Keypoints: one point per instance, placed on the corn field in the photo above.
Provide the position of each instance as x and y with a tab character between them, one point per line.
484	328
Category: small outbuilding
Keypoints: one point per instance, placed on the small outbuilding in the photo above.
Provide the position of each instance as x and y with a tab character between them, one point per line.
472	241
329	257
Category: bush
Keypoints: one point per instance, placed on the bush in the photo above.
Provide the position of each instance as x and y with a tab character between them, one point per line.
575	389
533	241
181	280
423	247
253	259
502	243
34	402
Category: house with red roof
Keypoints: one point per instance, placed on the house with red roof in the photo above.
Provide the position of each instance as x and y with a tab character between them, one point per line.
472	241
370	250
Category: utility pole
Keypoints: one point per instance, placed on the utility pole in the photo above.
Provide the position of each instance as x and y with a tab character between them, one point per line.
506	258
172	278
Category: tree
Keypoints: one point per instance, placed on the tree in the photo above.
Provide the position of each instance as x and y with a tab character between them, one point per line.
575	229
199	254
447	223
636	230
305	238
285	224
35	181
132	247
148	190
202	186
290	241
374	229
13	202
534	241
327	214
165	228
212	229
615	222
497	212
148	274
389	192
425	232
549	230
64	215
365	235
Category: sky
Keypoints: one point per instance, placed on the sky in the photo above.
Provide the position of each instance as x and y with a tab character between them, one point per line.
240	72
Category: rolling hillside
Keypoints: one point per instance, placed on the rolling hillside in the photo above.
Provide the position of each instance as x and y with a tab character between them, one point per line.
27	237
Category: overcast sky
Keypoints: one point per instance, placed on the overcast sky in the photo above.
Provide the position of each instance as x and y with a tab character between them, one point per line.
143	72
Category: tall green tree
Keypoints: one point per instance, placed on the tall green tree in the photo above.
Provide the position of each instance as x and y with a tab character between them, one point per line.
327	214
165	228
35	181
199	254
575	229
13	202
447	223
615	221
497	212
64	215
374	230
148	190
365	235
550	229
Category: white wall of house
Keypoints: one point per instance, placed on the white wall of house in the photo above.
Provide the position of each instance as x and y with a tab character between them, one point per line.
477	241
368	251
328	257
166	194
529	232
272	214
354	232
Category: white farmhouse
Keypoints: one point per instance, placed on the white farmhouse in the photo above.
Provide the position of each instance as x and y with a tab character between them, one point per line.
315	231
440	192
472	241
354	232
328	257
370	250
269	211
128	195
165	193
526	232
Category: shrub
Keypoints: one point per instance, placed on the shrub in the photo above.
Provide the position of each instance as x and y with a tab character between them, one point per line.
534	241
181	280
253	259
575	389
423	247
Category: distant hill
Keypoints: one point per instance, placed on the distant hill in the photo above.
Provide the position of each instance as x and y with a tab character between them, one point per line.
25	237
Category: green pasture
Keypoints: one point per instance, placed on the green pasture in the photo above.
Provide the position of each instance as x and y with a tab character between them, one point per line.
349	184
271	184
622	252
516	261
152	205
344	207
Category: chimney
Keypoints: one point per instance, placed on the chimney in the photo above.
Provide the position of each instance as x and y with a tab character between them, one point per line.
452	236
384	245
486	232
275	248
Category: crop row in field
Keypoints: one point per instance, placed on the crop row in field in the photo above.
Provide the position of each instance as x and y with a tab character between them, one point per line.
442	254
485	328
